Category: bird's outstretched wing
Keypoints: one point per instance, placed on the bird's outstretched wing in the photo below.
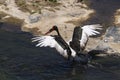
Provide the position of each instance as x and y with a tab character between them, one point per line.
87	31
50	41
75	41
81	36
45	41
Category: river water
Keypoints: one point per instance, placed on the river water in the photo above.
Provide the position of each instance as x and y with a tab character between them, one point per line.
105	11
21	60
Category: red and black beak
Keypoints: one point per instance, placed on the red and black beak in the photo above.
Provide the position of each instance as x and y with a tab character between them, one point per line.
49	31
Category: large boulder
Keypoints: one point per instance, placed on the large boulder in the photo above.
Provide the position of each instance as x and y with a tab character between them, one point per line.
111	41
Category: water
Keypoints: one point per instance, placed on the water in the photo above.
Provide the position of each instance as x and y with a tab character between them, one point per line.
21	60
105	10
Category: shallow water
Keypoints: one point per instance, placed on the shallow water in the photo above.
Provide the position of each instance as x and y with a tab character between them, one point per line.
21	60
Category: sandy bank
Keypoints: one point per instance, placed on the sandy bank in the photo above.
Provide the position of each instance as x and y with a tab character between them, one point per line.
66	16
117	17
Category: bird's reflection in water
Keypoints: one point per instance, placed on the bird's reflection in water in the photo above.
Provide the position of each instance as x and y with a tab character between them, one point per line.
75	72
82	69
78	69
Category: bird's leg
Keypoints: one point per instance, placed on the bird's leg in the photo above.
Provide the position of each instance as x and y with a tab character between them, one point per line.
69	54
72	62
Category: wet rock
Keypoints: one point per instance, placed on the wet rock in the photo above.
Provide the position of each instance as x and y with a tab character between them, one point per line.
114	34
111	40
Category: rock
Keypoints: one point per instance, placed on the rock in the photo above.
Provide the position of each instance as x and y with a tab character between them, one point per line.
117	17
111	41
47	13
114	34
34	18
6	17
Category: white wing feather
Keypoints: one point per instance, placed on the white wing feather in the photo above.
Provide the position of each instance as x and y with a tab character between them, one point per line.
44	41
49	41
89	30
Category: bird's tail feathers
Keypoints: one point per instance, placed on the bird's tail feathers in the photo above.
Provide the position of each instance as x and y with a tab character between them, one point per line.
93	53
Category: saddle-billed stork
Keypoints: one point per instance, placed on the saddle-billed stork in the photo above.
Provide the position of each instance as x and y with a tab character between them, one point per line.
72	50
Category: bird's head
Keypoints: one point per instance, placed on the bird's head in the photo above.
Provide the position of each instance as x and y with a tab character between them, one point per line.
52	29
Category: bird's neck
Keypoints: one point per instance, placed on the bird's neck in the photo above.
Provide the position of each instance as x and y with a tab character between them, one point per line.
58	33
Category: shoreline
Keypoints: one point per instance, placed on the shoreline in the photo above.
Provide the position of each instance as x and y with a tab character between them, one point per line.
66	16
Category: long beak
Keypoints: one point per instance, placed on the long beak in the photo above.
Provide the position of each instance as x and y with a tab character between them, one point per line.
49	31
